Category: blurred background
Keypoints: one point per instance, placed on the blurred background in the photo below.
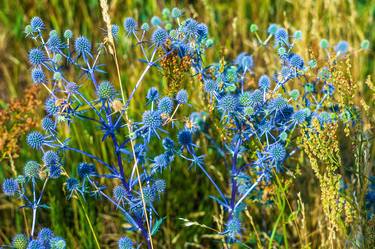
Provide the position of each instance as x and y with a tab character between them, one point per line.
21	105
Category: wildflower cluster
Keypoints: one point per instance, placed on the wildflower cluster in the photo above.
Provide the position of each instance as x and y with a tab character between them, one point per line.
259	121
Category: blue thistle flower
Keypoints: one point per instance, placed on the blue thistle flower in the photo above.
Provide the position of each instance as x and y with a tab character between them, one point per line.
10	187
37	57
31	169
159	186
82	46
165	105
272	28
245	99
68	34
45	234
281	36
176	13
155	21
106	90
191	28
185	138
48	124
50	106
115	29
277	104
277	152
20	241
182	97
36	244
152	119
130	25
256	97
202	31
296	61
233	227
37	24
38	76
152	94
54	44
125	243
210	86
50	158
159	37
244	62
119	192
299	116
264	82
58	243
228	104
72	184
161	162
145	27
342	47
86	170
35	140
148	195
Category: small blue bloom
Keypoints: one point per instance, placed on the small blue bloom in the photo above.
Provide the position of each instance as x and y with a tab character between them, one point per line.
165	105
37	24
10	187
86	170
342	47
130	25
125	243
38	76
82	46
264	82
159	37
35	140
37	57
182	97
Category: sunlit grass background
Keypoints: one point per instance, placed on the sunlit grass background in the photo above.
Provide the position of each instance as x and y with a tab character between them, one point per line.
188	192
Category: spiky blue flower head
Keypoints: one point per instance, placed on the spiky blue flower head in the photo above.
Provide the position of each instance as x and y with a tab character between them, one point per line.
233	227
168	143
325	117
152	94
125	243
35	140
272	28
37	57
296	61
342	47
50	106
281	36
58	243
106	90
20	241
115	30
86	170
152	119
176	13
37	24
68	34
155	21
244	62
48	124
119	192
277	152
264	82
31	169
202	31
45	234
159	186
38	76
145	27
54	171
148	194
191	28
165	105
185	138
210	86
71	87
82	46
10	187
130	25
277	104
54	43
256	97
161	161
159	37
299	116
245	99
182	96
228	104
50	158
72	184
36	244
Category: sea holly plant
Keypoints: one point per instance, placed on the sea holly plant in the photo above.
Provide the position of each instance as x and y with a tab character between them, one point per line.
133	178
